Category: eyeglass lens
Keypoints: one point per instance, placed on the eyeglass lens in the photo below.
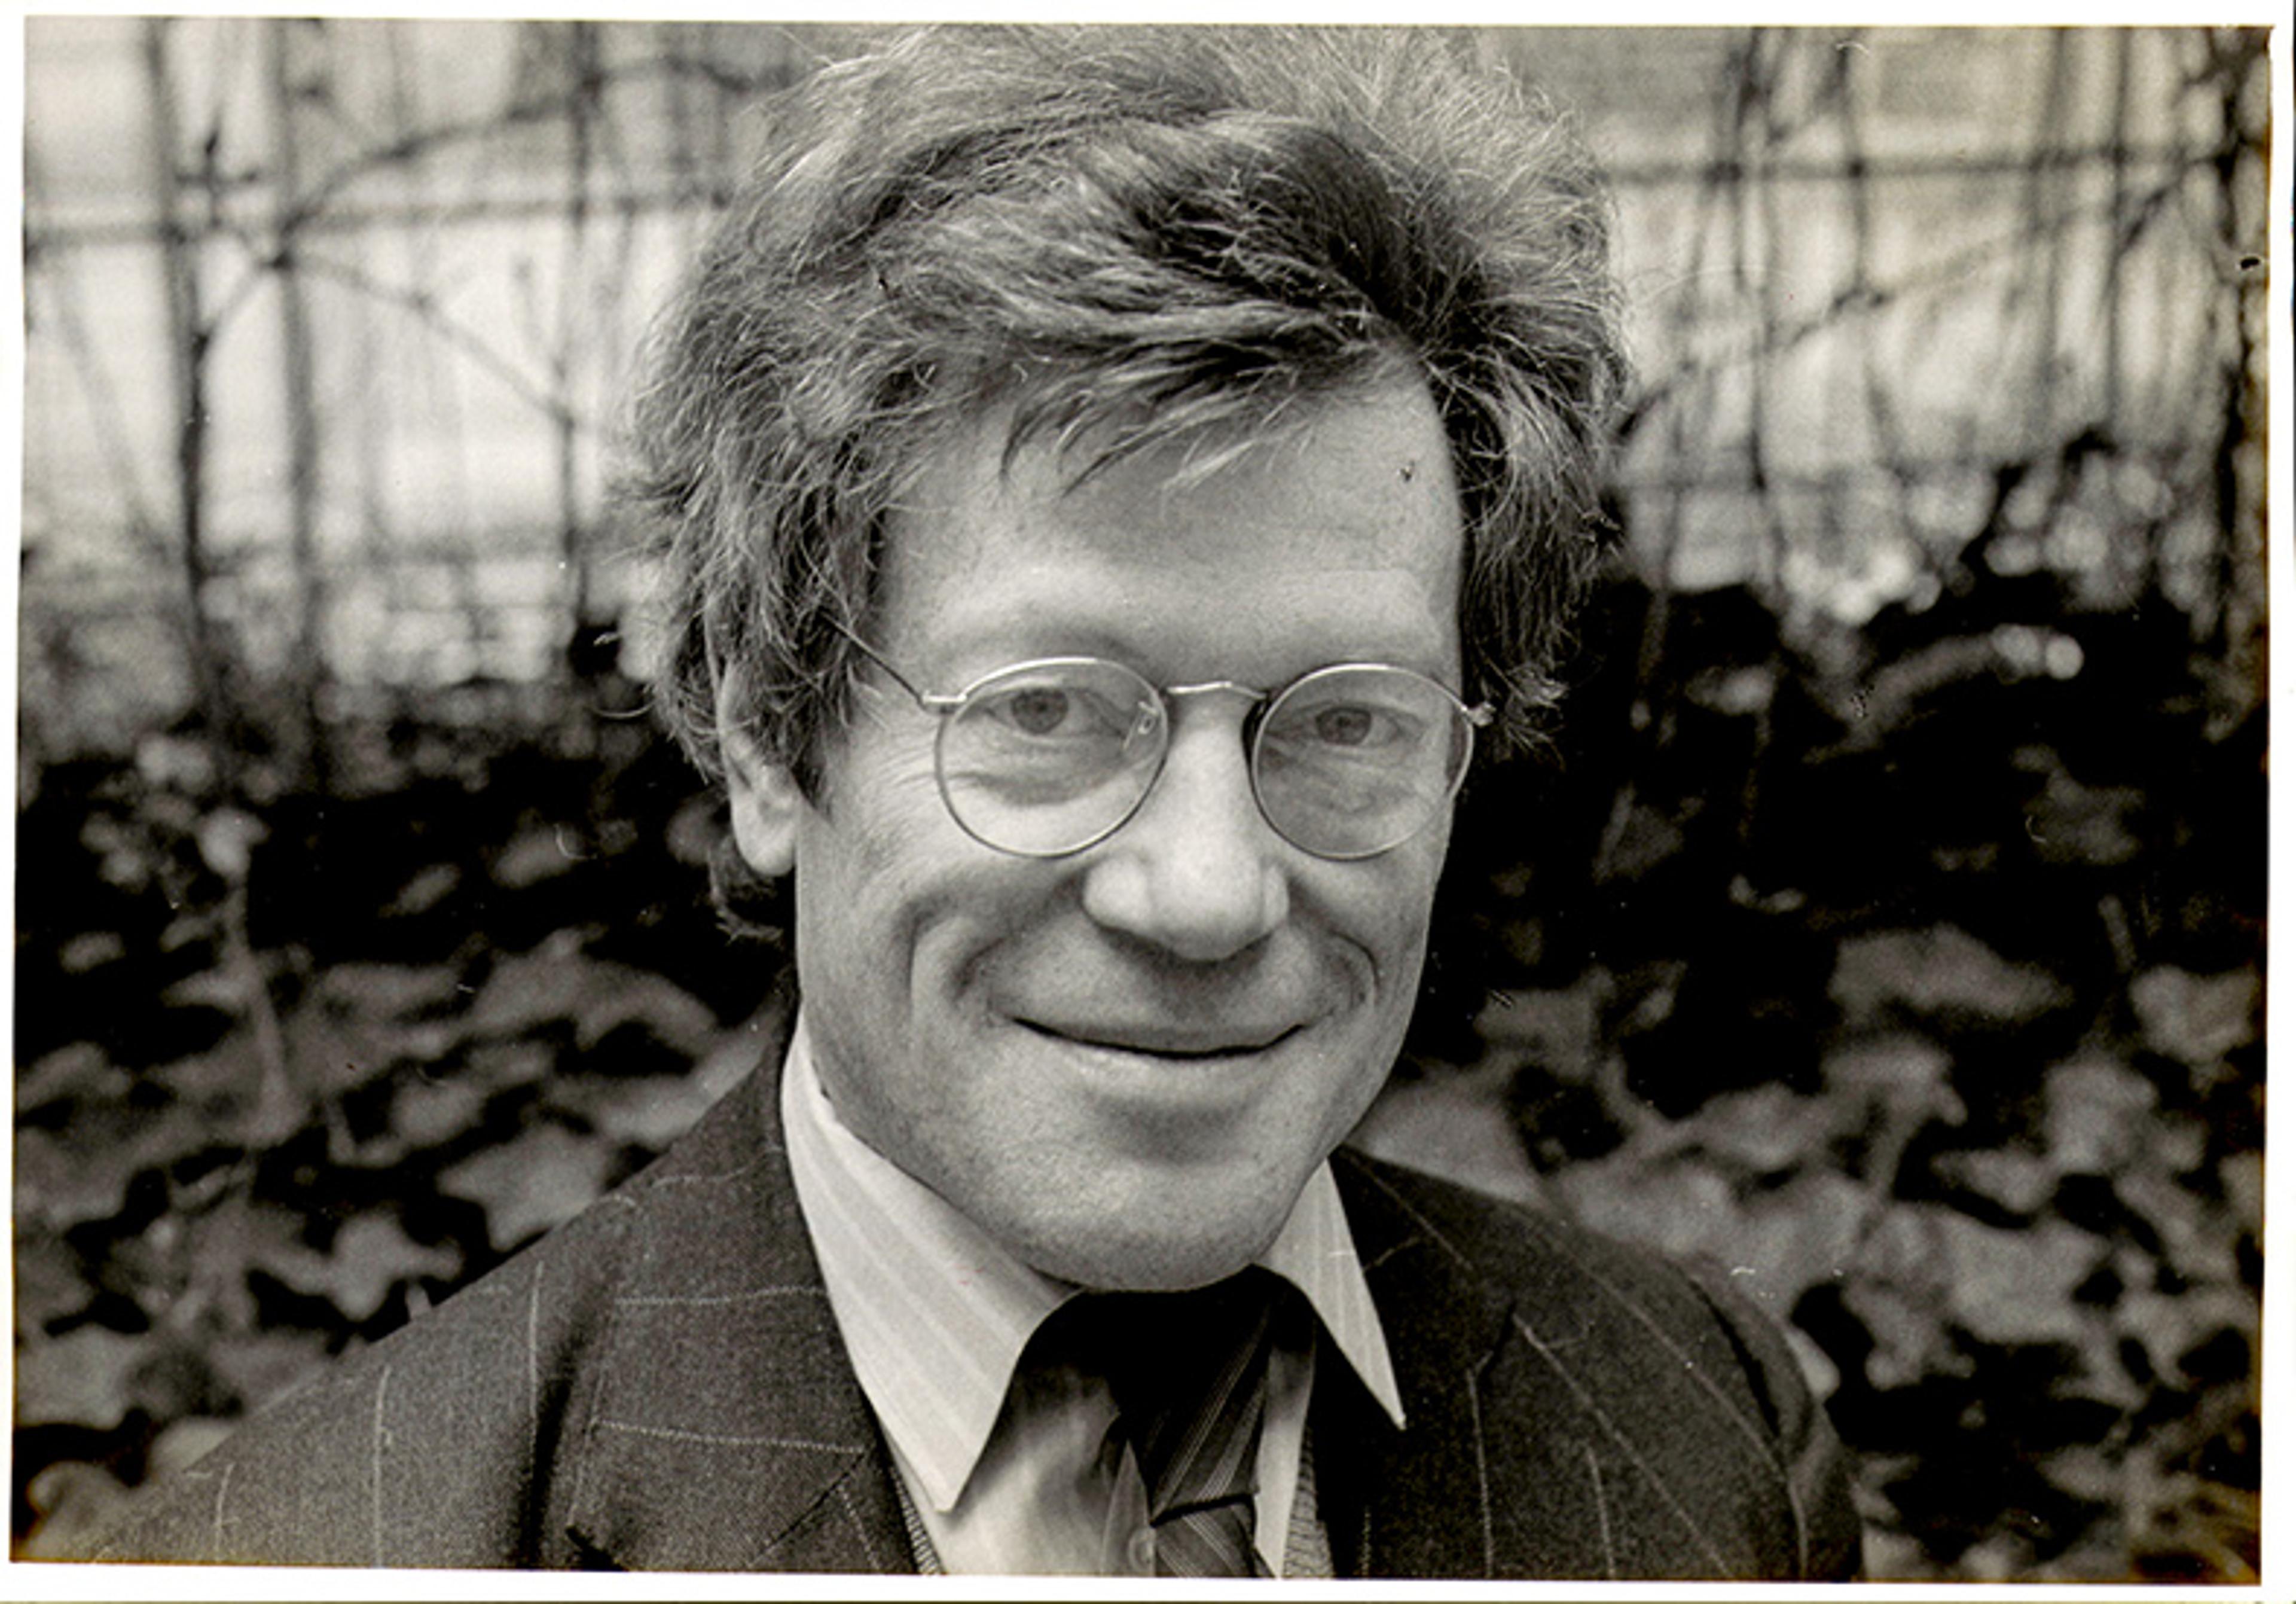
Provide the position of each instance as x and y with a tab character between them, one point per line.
1046	758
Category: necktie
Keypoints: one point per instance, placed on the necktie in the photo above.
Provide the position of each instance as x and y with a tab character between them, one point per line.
1189	1371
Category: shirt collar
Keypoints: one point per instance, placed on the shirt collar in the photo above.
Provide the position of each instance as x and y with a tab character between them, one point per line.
935	1313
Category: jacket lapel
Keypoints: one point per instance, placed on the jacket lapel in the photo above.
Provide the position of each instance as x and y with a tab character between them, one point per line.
1493	1474
727	1431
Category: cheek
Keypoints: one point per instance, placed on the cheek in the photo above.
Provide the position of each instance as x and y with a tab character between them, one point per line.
858	874
1392	910
878	791
895	899
879	829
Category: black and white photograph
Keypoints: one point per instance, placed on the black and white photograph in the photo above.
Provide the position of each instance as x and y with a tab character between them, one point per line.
1659	977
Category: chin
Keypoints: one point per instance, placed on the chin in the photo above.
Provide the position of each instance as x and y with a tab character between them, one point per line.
1154	1267
1131	1253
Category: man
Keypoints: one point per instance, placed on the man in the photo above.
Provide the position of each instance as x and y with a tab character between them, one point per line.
1110	483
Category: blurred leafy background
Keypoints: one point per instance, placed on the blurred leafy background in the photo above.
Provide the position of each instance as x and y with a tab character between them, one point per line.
1887	923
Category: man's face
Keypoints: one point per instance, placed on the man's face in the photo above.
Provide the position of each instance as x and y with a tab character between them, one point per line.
1124	1064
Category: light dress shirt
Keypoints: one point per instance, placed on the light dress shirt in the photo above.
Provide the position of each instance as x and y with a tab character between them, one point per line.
934	1316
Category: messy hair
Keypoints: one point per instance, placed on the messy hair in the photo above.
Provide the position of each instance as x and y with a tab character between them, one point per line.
1117	237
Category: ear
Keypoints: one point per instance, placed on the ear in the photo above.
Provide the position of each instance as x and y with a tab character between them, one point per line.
765	801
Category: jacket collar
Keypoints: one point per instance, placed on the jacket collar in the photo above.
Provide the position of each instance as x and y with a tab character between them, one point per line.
1410	1502
727	1432
1533	1425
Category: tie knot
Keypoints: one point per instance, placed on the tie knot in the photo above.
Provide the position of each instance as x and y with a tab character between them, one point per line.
1189	1373
1153	1346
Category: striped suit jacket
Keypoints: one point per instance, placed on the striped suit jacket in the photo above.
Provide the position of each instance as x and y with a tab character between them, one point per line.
660	1384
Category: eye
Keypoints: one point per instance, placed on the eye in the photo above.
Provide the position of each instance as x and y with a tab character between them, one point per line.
1345	726
1046	713
1356	717
1038	710
1358	727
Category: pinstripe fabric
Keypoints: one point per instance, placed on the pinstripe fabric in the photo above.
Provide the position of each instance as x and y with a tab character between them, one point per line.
1308	1547
660	1385
1588	1411
921	1552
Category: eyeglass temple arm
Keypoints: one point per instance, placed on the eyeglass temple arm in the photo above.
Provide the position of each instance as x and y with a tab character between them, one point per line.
930	703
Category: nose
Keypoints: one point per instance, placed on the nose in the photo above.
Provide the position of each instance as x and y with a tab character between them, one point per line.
1196	872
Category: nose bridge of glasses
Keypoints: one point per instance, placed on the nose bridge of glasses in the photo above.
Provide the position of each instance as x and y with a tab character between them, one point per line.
1211	687
1255	699
1255	702
1209	776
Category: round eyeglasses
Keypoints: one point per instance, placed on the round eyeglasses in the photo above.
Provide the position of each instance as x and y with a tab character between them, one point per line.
1046	758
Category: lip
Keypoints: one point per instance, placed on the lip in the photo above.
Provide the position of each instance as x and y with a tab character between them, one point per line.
1166	1039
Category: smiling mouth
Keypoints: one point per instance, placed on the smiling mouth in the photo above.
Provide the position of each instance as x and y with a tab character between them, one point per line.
1178	1044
